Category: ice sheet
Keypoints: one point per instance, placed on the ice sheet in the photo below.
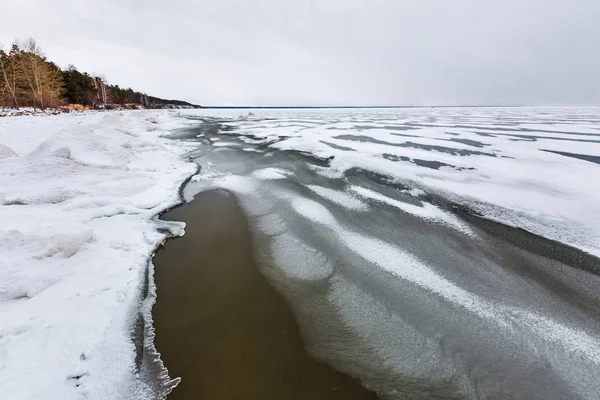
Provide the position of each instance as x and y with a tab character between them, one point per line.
509	164
390	277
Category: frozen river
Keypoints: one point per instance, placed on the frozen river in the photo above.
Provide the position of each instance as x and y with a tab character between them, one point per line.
428	253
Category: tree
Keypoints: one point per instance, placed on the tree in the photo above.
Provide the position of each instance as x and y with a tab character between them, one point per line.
104	94
53	85
80	88
8	79
27	78
42	79
29	55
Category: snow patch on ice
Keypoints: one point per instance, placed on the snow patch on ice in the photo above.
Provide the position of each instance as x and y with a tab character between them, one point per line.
426	211
298	261
237	184
314	211
271	174
340	198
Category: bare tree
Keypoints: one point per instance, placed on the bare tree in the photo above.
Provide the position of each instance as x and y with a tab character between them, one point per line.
53	87
101	89
29	57
2	79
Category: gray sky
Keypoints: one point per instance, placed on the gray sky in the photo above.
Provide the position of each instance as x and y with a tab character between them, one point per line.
414	52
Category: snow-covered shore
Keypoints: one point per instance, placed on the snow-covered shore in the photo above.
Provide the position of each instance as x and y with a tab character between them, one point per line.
28	111
78	196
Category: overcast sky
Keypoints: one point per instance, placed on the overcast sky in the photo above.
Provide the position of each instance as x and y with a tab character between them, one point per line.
403	52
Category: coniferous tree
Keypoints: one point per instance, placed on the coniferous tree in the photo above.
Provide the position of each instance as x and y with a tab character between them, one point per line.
79	87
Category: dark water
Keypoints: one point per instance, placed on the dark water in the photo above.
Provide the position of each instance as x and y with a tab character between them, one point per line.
220	325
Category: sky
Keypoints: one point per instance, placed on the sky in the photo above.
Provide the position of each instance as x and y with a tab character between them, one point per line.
326	52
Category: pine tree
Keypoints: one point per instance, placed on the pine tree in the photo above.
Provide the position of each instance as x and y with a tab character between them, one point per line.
80	88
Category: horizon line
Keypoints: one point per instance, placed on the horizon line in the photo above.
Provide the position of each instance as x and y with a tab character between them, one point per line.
248	107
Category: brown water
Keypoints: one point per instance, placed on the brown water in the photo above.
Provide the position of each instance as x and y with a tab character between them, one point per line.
221	326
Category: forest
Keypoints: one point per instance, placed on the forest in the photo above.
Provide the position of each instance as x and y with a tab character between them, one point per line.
29	79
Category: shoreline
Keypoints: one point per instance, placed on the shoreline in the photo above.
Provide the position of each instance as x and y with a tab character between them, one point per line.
147	359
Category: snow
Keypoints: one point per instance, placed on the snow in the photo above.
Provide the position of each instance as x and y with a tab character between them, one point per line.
78	197
237	184
341	198
426	211
271	173
314	211
6	151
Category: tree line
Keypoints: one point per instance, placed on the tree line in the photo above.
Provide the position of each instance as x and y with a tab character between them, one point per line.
28	79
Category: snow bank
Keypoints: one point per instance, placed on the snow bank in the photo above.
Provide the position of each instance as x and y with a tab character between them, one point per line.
78	193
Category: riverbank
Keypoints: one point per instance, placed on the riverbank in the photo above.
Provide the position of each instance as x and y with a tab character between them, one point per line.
78	197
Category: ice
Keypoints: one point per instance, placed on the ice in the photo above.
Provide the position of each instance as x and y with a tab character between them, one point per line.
410	268
78	197
368	223
391	258
497	161
298	261
399	346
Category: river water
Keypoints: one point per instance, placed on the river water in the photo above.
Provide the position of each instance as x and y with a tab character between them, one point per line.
327	253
